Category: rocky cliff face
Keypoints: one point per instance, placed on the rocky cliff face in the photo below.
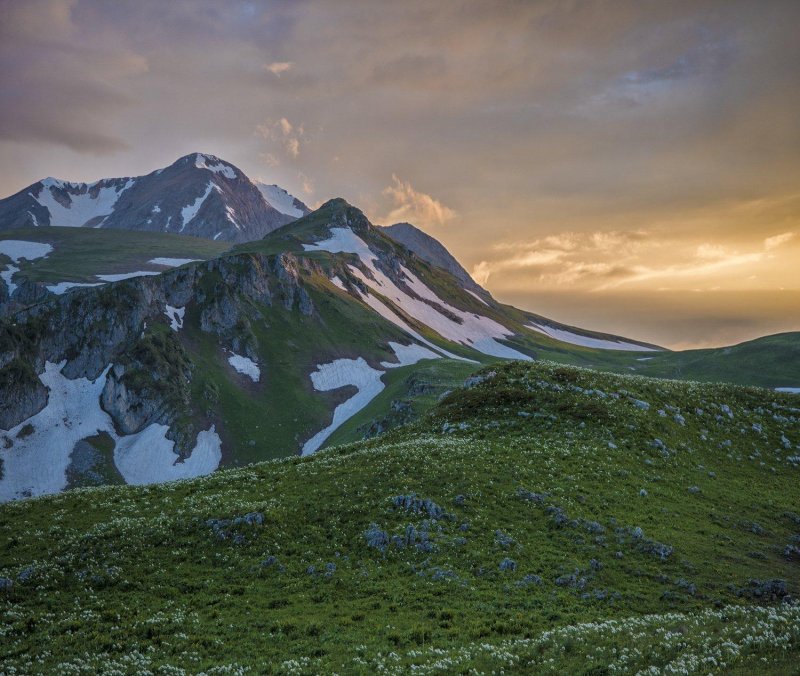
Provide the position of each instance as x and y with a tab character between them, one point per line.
152	373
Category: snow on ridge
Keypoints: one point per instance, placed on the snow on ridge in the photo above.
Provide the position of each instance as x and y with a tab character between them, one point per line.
190	211
126	275
175	316
245	366
16	250
172	262
279	199
587	341
212	163
36	464
475	331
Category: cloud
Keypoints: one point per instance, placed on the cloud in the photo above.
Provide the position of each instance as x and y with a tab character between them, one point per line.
775	241
414	206
278	67
308	184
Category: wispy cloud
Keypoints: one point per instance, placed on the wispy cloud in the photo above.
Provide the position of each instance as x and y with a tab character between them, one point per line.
283	132
414	206
776	241
278	67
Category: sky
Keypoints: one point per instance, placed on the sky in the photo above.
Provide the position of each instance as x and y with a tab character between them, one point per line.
630	167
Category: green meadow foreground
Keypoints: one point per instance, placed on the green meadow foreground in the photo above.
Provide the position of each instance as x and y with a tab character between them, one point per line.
544	518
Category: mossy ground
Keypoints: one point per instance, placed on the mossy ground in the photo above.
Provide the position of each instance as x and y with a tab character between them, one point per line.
557	469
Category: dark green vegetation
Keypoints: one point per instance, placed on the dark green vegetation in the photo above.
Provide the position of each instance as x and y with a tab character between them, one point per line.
544	519
80	253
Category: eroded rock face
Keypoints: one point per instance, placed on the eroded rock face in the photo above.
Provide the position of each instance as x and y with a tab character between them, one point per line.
93	327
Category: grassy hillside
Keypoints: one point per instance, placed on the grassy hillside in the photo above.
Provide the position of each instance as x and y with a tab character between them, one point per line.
547	518
80	253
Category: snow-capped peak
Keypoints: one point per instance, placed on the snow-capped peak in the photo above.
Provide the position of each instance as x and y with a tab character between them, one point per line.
213	163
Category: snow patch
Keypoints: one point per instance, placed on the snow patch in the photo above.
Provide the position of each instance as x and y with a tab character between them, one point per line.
478	332
340	373
172	262
17	250
587	341
408	354
214	164
338	283
245	366
789	390
190	211
279	199
148	457
63	287
175	316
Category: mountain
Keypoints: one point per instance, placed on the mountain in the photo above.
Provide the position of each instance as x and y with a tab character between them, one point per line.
198	195
325	331
432	251
542	519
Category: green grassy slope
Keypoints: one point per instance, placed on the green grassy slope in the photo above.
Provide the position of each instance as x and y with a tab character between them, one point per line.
549	519
81	253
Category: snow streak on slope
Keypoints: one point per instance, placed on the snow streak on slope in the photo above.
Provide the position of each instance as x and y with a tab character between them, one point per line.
475	331
245	366
126	275
36	463
190	211
279	199
587	341
788	390
82	207
16	250
358	373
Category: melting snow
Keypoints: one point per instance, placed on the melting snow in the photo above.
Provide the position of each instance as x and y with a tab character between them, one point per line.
480	333
367	380
279	199
175	316
587	341
37	463
16	250
213	164
245	366
148	456
173	262
82	207
190	211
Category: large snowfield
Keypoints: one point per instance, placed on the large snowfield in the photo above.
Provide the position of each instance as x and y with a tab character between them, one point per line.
587	341
279	199
82	207
478	332
37	461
